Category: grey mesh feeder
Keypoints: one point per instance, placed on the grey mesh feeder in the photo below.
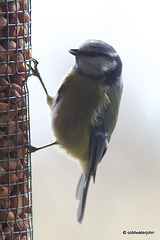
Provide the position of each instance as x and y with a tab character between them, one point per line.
15	161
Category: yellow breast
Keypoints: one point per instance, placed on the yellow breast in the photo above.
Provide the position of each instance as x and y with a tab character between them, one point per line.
80	102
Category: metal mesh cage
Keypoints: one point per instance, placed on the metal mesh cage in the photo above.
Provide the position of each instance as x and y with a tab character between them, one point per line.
15	161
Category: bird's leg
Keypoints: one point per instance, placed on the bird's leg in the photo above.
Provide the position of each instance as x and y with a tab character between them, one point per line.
32	149
35	72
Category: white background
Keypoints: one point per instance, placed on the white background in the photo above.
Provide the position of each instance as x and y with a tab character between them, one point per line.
126	195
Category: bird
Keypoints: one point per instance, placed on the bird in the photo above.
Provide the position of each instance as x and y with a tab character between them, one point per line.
85	109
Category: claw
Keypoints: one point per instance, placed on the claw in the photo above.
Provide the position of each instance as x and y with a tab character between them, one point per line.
35	72
30	148
34	69
35	61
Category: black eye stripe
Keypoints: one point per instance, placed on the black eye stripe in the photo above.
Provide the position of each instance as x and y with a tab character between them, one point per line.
93	54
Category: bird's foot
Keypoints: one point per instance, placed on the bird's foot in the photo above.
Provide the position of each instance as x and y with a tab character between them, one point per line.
31	148
34	69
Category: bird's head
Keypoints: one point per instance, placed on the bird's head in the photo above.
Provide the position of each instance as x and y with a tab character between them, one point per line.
95	59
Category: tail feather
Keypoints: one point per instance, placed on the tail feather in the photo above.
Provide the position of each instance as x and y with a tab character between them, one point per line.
81	195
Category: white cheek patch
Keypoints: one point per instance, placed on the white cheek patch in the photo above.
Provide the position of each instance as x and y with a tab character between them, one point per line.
108	65
95	65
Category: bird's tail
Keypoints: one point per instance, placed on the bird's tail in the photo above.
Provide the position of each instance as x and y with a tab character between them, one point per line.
81	195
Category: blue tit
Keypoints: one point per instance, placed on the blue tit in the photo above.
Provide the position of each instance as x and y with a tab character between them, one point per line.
85	109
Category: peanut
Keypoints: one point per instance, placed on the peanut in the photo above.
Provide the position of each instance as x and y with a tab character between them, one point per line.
8	231
13	29
2	96
10	178
22	225
2	172
28	54
24	68
16	98
23	188
24	4
13	7
24	17
21	31
3	106
3	54
7	146
19	137
3	83
18	153
18	79
13	113
18	61
6	216
5	203
11	46
18	88
3	119
20	43
4	68
8	165
20	172
3	22
3	191
11	128
16	204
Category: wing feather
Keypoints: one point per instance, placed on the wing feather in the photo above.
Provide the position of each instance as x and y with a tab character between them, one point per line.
99	138
97	148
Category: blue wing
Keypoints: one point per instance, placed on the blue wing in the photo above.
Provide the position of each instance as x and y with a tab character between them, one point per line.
99	138
97	149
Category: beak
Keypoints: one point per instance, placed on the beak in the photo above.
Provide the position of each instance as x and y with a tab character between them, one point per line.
74	52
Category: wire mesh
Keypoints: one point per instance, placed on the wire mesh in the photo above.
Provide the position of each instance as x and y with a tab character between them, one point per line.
15	161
